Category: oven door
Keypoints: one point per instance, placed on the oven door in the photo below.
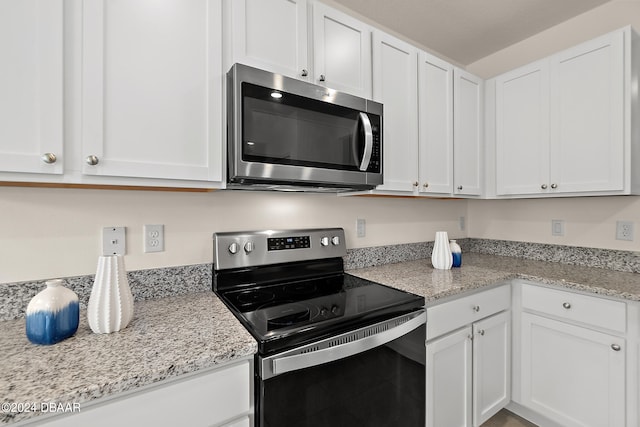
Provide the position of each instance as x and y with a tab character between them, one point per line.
373	377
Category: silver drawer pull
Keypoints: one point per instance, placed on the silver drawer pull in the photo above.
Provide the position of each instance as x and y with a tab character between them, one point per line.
566	305
616	347
481	332
476	308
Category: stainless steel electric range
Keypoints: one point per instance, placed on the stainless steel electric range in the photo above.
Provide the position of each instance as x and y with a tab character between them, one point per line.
333	349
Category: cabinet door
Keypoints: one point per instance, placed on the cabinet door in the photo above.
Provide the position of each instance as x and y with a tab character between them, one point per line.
522	130
571	374
449	380
342	51
436	124
491	366
31	86
395	84
151	91
201	400
270	34
587	116
467	133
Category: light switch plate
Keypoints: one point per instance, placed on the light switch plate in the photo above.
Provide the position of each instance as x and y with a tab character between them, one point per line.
113	241
361	227
557	227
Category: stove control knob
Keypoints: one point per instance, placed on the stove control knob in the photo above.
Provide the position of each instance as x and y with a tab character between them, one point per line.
323	311
335	309
335	240
324	241
248	247
233	248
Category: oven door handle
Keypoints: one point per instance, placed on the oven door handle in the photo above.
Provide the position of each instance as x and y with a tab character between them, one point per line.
281	365
368	141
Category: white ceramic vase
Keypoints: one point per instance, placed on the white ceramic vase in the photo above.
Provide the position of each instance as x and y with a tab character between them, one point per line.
441	257
110	306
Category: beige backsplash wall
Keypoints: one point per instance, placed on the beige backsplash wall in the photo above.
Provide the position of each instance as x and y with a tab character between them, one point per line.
589	221
47	233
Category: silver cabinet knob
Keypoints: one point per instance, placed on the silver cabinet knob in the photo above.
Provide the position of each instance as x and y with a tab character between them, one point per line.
481	332
416	183
233	248
554	185
425	185
566	305
335	240
248	247
49	158
476	308
92	160
322	78
459	187
324	241
615	347
543	186
304	73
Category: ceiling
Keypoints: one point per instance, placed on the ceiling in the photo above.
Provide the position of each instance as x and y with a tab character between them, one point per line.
468	30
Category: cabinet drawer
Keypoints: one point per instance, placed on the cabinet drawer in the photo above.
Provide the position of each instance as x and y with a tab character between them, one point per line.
593	311
448	316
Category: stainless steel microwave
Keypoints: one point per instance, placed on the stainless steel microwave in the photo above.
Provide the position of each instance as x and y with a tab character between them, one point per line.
287	134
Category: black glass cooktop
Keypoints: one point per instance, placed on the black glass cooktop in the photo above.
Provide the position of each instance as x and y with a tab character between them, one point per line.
284	313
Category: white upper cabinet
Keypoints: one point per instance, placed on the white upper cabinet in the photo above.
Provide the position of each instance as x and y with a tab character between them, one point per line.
300	39
31	84
342	51
395	84
522	130
435	83
151	92
468	119
269	34
587	116
564	124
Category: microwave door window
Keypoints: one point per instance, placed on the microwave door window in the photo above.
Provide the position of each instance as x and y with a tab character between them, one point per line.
292	130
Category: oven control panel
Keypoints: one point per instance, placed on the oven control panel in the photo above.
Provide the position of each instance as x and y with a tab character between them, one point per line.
254	248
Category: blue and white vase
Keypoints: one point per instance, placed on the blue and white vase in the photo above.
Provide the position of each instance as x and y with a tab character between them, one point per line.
456	252
53	314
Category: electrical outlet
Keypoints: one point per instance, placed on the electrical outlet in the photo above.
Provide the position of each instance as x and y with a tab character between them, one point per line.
557	227
361	227
624	230
153	238
114	241
461	223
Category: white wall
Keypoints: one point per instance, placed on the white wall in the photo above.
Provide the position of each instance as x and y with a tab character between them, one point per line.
590	221
46	233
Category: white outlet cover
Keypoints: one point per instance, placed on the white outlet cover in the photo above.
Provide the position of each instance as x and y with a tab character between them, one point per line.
153	238
624	230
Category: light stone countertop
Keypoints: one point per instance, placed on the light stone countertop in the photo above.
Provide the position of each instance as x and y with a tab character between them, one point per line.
166	338
182	334
479	271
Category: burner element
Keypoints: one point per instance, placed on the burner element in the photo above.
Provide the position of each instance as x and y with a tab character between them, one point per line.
256	296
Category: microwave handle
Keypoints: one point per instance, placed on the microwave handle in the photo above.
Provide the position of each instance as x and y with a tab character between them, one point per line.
368	141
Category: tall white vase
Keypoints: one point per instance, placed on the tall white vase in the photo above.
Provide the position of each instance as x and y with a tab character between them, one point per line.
441	257
110	306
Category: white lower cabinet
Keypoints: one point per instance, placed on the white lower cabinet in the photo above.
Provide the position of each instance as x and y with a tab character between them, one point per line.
574	359
572	375
217	398
469	368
